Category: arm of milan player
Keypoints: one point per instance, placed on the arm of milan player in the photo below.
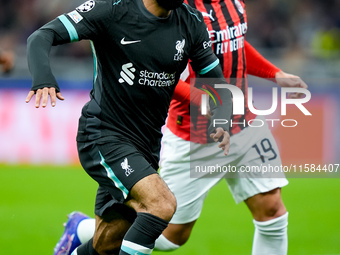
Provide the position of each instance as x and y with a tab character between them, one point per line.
185	93
258	66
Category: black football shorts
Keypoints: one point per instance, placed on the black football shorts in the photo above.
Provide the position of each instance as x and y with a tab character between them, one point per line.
116	166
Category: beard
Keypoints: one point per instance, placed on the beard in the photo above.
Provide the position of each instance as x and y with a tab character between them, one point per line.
170	4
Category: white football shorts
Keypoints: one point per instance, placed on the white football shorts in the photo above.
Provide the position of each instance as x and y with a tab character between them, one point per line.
191	170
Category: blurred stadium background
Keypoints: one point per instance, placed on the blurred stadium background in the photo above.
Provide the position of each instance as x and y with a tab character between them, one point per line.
41	180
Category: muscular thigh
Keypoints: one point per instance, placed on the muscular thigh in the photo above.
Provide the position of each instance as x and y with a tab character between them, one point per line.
152	195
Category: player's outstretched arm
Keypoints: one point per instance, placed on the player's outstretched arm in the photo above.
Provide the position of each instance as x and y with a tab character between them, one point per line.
39	44
44	84
258	66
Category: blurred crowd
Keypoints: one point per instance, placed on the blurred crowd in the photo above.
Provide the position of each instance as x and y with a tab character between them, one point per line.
308	28
19	18
311	26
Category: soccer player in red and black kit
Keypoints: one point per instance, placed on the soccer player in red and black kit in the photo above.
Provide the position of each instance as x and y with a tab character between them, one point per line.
186	139
227	25
119	130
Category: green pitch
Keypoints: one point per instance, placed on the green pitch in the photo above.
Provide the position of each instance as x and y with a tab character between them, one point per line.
35	200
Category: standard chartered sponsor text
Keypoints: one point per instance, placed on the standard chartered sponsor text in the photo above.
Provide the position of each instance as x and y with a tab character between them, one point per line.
155	79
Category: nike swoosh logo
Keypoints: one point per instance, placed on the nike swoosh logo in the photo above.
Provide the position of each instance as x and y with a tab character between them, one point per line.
123	42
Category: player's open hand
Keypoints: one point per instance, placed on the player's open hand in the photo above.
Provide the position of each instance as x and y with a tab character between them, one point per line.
224	137
42	95
285	80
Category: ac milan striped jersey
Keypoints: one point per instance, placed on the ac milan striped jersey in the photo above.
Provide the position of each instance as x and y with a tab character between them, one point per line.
227	26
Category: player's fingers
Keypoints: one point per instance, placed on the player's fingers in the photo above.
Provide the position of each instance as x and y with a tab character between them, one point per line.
59	96
293	81
45	93
225	144
298	95
38	95
303	84
225	149
296	82
219	134
29	96
53	96
293	95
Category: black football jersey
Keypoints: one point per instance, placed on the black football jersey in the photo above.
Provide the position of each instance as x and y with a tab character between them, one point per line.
138	61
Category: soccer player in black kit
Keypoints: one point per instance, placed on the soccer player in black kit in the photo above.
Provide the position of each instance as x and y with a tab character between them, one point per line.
141	47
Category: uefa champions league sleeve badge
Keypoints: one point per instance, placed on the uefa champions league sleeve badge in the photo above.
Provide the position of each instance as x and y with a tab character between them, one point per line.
87	6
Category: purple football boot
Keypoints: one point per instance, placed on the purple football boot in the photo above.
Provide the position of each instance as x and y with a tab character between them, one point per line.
69	240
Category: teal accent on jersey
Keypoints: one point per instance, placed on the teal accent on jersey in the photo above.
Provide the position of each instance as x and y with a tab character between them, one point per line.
129	250
115	3
95	63
192	13
209	67
113	177
70	28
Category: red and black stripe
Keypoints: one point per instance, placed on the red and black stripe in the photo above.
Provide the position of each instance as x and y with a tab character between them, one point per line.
226	13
